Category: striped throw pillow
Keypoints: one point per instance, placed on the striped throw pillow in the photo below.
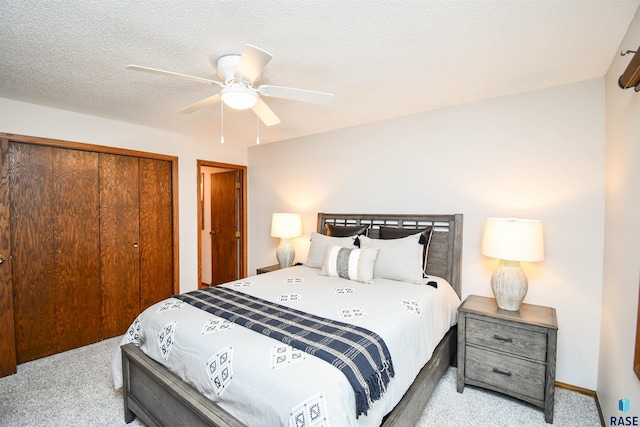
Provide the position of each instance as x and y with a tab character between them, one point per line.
352	264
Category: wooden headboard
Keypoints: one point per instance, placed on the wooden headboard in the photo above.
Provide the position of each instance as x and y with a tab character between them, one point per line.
445	250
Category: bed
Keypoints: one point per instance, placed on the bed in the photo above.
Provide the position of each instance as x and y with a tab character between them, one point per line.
160	396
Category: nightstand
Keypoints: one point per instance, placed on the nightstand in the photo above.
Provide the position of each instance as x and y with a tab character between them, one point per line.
511	352
268	269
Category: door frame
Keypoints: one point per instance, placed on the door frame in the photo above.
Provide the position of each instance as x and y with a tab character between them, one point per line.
243	213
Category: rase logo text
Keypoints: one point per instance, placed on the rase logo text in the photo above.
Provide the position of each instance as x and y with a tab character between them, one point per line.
623	406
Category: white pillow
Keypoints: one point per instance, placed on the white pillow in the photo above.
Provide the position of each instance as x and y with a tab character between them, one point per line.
353	264
319	245
398	259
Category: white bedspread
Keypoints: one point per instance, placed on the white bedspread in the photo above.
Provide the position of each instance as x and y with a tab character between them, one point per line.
263	382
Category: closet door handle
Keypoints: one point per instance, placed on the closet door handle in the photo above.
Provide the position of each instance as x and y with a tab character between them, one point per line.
1	259
135	245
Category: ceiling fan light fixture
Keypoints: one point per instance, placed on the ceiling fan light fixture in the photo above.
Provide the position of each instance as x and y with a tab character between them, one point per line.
239	97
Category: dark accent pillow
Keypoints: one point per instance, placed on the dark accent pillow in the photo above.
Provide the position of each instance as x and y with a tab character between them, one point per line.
398	233
345	230
388	233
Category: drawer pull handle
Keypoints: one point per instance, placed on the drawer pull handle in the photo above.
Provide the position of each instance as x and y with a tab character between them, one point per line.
498	337
501	372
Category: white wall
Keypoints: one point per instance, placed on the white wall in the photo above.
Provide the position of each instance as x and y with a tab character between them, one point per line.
34	120
533	155
616	378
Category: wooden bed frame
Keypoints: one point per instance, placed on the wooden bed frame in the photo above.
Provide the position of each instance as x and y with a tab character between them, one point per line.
158	397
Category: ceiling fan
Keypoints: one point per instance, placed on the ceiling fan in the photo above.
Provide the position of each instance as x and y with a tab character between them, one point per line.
239	73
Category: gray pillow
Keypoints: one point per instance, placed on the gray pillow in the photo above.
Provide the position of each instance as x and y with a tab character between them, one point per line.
398	259
319	245
425	240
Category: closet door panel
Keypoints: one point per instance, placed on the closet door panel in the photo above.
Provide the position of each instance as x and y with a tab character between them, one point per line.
76	232
156	232
7	330
33	270
119	244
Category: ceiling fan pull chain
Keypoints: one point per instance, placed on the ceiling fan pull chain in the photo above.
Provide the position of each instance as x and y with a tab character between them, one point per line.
222	123
257	131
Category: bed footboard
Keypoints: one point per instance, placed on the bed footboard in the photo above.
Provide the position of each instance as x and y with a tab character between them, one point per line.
158	397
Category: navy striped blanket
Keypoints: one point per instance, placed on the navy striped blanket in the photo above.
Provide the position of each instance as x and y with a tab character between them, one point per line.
361	355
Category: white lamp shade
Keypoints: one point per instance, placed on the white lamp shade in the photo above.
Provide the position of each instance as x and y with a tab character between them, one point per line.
513	239
286	225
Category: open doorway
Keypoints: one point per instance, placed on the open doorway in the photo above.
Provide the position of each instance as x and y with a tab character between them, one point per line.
222	223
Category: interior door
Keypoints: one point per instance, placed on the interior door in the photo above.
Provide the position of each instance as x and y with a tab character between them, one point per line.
225	227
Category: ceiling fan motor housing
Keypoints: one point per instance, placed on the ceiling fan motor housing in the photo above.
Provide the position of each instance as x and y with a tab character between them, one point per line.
227	65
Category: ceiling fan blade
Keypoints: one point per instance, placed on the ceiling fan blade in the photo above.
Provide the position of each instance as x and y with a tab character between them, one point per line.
251	63
172	74
263	111
303	95
200	104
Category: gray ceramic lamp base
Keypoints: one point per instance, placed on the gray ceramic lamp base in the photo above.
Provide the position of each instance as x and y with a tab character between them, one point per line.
509	285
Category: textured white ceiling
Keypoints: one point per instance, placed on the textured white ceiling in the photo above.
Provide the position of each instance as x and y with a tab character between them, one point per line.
381	59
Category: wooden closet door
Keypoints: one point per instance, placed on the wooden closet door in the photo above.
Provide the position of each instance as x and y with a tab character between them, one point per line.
76	236
119	242
156	231
31	235
54	233
7	330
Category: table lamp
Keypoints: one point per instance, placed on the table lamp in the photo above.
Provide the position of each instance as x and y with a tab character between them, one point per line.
286	226
512	240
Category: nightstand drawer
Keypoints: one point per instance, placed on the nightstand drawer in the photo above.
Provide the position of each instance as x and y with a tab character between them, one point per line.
505	338
509	373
